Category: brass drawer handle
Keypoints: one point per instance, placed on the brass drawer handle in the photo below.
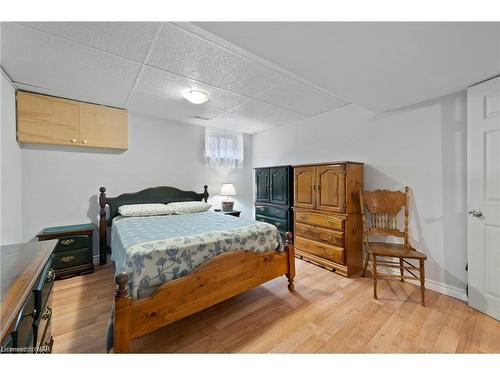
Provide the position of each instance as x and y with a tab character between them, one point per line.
277	224
47	314
68	241
51	275
302	229
330	237
331	221
330	251
302	217
67	259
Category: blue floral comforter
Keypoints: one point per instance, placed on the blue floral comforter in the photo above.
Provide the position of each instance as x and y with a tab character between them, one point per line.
156	249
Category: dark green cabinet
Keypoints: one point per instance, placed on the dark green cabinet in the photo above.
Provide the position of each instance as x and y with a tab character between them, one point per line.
273	197
262	185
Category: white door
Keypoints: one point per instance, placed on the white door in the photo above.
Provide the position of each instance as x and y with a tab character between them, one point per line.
483	149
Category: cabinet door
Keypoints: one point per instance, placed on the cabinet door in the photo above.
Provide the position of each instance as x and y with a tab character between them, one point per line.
262	185
102	126
330	193
304	182
279	185
46	119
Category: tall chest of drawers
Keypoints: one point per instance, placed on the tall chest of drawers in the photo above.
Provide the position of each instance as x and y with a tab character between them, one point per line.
274	197
328	228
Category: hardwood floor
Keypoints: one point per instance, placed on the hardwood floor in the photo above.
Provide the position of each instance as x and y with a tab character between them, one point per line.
327	313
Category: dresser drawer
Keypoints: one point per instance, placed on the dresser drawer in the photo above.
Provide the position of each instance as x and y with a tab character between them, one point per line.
22	335
72	258
278	223
323	220
280	213
44	331
72	243
327	236
333	253
43	287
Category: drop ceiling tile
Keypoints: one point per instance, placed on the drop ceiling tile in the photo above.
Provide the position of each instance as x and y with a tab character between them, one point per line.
241	124
186	54
127	39
301	97
158	82
168	109
268	113
45	61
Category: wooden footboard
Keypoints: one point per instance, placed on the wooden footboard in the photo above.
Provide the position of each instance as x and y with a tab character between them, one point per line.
218	279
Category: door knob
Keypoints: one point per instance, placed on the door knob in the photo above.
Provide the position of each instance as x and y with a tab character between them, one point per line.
476	212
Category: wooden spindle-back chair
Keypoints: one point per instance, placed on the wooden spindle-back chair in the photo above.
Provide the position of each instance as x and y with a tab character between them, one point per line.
384	207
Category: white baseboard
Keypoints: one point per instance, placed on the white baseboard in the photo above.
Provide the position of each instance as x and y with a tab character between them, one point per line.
442	288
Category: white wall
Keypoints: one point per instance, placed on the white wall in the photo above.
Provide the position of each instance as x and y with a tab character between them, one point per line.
423	146
10	176
60	184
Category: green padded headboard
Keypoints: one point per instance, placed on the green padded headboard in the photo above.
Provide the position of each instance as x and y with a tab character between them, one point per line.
160	194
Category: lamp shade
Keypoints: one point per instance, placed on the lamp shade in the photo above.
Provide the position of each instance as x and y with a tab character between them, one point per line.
227	189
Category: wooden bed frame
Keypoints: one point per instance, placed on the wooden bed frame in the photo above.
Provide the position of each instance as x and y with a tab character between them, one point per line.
218	279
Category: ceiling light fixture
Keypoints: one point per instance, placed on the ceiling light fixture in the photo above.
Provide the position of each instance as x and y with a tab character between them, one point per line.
195	96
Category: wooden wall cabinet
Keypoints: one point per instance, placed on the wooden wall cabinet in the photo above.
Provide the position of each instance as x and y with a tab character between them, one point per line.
328	226
50	120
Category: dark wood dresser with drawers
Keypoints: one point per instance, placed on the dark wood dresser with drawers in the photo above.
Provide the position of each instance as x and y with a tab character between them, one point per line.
274	197
328	225
74	251
26	283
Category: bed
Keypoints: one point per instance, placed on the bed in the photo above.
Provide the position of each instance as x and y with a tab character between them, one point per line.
169	267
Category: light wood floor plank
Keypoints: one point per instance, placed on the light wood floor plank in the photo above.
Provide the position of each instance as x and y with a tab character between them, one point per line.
327	314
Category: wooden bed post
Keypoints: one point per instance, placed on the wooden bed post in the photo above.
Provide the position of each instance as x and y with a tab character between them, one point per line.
205	193
121	333
103	226
291	260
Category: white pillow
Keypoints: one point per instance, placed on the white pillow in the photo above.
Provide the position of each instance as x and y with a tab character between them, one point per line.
150	209
181	208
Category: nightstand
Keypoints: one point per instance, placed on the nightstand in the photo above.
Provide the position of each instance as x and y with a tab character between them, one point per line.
232	213
73	254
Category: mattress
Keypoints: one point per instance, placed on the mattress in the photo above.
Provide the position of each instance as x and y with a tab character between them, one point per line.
156	249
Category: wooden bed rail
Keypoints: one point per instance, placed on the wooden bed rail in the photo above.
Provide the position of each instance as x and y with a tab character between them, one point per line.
218	279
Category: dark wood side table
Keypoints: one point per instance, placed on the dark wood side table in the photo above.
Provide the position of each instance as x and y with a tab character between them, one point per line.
232	213
74	250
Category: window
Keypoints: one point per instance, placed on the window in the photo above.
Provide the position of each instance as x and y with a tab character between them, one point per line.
223	148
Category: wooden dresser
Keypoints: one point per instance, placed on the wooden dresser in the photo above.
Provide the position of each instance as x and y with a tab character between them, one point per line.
26	285
328	225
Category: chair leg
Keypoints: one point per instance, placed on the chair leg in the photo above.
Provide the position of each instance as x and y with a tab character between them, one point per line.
366	265
422	281
401	270
374	272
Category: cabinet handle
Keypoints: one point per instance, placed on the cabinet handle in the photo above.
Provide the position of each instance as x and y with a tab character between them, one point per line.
73	140
302	217
67	259
331	221
47	314
277	224
84	141
329	237
68	241
302	229
51	275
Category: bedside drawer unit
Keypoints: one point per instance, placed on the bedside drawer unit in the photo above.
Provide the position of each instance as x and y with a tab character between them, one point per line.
326	236
320	219
333	253
74	250
72	243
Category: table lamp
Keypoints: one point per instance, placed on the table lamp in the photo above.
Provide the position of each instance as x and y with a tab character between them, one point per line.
226	191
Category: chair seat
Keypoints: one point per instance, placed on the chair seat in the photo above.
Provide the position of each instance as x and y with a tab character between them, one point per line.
394	250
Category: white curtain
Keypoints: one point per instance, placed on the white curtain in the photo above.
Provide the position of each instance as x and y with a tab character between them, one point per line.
223	149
